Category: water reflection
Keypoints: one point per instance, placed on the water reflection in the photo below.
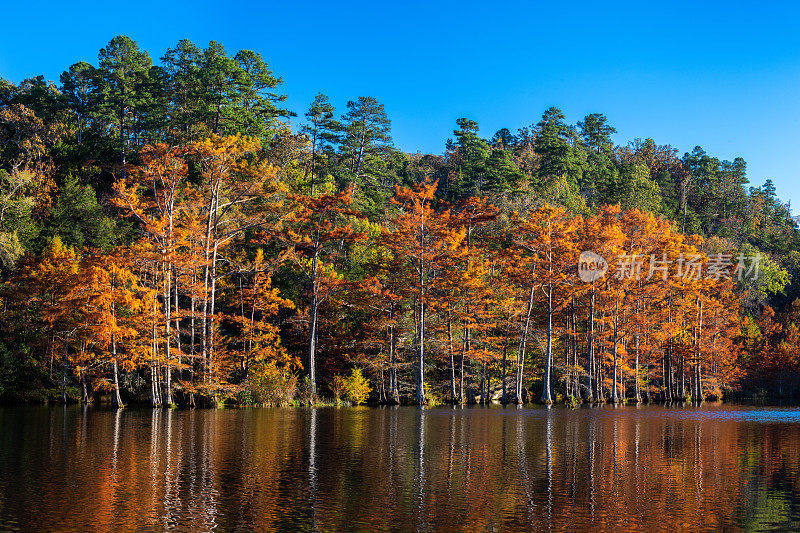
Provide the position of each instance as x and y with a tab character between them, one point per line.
469	469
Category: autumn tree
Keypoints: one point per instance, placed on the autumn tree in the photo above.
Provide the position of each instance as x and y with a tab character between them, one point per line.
316	231
426	240
549	234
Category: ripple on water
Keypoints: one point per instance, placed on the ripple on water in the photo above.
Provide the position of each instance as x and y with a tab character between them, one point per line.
706	467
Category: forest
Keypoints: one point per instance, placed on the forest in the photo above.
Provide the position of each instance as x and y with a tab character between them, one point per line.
172	235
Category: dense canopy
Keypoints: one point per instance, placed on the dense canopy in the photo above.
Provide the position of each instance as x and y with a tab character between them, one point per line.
167	236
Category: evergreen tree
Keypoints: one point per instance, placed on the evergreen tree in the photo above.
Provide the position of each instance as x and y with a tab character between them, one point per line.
470	153
123	70
182	65
77	219
555	146
596	133
502	174
322	130
366	134
77	95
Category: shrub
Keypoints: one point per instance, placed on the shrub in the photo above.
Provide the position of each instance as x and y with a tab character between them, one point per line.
304	396
356	387
572	401
271	385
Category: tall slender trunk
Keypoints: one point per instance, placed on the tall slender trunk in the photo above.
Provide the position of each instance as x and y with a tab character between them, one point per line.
381	385
505	366
312	342
168	335
576	380
548	363
154	400
84	391
64	375
567	369
116	399
421	400
636	388
177	315
590	350
204	320
667	372
207	277
461	377
698	394
521	351
249	346
667	367
211	329
484	397
452	358
193	325
421	351
52	354
614	396
394	389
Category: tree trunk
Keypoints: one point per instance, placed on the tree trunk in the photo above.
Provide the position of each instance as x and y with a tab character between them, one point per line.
505	373
421	353
84	391
521	351
421	400
177	315
614	396
452	358
116	399
590	351
461	376
312	343
548	362
168	335
394	390
636	389
484	399
64	376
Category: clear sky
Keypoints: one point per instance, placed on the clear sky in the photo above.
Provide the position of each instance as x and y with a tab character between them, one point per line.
720	75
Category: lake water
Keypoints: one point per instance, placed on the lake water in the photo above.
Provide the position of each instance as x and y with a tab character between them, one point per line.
400	469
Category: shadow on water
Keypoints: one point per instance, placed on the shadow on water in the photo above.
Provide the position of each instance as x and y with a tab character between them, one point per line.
680	467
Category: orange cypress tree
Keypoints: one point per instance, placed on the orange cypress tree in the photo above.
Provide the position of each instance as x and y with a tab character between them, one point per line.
152	194
107	293
426	240
239	191
549	234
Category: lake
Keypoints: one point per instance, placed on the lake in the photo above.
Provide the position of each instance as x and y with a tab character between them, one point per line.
653	468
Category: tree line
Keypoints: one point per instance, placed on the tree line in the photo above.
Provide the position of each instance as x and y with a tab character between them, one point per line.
167	236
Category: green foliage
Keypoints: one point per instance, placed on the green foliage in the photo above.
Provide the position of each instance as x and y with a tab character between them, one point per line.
555	146
596	133
86	132
638	191
365	135
761	281
78	219
17	226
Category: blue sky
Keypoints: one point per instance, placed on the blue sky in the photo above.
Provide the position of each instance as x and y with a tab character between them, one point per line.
721	75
